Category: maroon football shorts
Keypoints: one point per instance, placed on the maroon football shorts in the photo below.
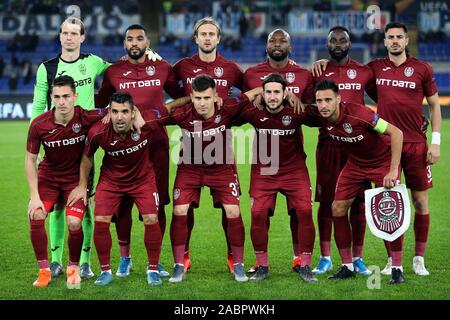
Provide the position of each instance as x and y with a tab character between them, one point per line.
50	193
354	177
330	159
109	196
294	184
415	168
221	179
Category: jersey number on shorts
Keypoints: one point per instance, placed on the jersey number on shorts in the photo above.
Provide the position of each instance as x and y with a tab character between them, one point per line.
430	178
155	194
234	189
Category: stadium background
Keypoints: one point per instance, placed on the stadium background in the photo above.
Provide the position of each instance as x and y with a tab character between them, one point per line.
29	35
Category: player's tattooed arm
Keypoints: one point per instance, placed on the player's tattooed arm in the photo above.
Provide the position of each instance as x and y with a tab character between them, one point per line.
31	172
80	191
318	67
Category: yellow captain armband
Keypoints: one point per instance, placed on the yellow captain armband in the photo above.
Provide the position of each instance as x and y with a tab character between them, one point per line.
381	126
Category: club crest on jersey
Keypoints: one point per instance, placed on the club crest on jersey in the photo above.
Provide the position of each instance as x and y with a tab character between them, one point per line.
409	71
135	136
82	69
290	77
217	119
251	202
76	127
150	70
218	72
176	193
351	73
347	127
387	211
286	120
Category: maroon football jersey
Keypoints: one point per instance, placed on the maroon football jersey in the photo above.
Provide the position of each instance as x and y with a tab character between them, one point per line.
279	137
145	82
353	79
225	73
63	145
400	93
126	158
207	142
299	80
354	130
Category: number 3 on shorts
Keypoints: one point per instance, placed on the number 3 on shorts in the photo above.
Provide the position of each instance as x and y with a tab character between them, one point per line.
234	189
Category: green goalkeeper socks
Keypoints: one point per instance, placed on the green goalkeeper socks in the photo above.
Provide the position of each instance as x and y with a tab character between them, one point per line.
57	233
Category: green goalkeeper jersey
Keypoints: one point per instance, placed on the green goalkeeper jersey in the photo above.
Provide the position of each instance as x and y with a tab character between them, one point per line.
84	70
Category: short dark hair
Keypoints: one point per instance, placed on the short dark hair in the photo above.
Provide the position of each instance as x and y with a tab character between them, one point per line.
275	77
122	97
340	28
395	24
203	82
326	85
136	27
63	81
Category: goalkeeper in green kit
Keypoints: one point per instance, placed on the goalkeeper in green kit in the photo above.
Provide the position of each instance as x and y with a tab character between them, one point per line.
83	68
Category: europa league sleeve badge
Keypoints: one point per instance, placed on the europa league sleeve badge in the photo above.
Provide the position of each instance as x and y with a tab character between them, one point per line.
388	211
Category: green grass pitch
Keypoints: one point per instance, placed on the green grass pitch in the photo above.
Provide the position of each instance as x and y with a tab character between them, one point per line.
209	278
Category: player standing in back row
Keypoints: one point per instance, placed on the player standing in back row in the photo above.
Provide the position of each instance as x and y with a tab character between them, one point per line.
402	82
299	83
226	74
146	81
353	79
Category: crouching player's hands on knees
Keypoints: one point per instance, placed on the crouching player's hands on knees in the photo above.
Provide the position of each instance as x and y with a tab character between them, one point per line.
80	192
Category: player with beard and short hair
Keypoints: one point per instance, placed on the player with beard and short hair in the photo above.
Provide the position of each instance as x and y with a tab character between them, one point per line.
372	158
353	79
226	74
278	133
299	84
146	81
402	83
